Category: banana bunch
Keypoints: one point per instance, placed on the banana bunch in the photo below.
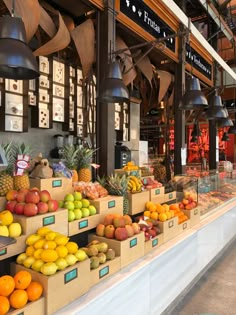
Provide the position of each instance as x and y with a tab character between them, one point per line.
134	184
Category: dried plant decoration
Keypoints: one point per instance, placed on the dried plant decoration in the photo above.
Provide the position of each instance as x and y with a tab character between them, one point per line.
165	79
84	38
29	11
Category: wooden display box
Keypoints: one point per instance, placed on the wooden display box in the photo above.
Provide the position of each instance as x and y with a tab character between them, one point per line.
128	173
153	243
85	224
169	229
184	226
56	221
193	215
137	202
128	250
170	196
105	270
57	187
157	195
30	308
108	204
13	249
63	287
2	203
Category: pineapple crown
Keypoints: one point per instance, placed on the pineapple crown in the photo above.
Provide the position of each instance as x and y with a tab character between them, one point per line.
84	157
70	156
114	184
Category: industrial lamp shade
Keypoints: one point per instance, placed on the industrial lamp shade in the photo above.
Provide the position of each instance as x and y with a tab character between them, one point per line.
225	122
193	98
225	137
232	129
113	89
16	58
216	109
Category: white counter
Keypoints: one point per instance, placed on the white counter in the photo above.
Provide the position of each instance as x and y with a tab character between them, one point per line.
151	284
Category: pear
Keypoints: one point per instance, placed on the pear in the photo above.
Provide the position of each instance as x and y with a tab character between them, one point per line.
102	258
94	262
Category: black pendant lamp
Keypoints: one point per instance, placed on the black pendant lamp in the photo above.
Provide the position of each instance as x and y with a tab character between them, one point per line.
193	97
225	137
16	58
196	132
215	109
232	129
113	89
224	122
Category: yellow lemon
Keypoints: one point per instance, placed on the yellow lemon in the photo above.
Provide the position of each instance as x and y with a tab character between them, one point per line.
6	217
49	245
37	253
162	217
72	247
32	239
62	251
30	251
49	255
61	240
37	265
43	231
50	236
39	244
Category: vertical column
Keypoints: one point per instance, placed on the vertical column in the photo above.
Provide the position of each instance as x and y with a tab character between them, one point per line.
105	112
179	115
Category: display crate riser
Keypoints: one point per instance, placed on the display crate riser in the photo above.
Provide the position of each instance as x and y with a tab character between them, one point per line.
85	224
2	203
108	203
170	196
169	229
155	242
184	226
31	308
193	215
137	202
13	249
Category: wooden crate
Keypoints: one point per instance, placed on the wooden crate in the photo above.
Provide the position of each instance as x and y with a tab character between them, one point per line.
193	215
13	249
30	308
137	202
63	287
129	250
56	221
108	204
57	187
105	270
170	196
169	228
85	224
153	243
128	173
184	226
2	203
157	195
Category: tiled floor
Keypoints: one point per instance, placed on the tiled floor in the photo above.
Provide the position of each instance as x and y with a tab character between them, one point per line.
215	292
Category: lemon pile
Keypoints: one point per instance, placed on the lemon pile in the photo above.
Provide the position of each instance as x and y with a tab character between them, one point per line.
48	251
7	225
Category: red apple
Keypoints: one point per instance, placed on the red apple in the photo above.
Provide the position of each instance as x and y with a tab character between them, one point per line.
30	209
52	205
21	196
42	207
185	201
32	197
181	205
19	208
121	233
109	231
136	227
44	196
24	190
10	205
11	195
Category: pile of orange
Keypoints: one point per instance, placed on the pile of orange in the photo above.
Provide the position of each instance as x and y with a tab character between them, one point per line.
178	213
16	291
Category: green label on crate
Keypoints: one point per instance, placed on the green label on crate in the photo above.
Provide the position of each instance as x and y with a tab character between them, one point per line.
133	242
111	204
71	275
171	224
155	242
195	211
145	181
157	191
56	183
184	226
133	173
3	252
49	220
22	313
83	224
170	196
103	272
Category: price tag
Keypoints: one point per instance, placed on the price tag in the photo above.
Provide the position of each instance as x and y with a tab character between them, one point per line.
133	242
71	275
103	272
3	252
49	220
111	204
83	224
56	183
155	242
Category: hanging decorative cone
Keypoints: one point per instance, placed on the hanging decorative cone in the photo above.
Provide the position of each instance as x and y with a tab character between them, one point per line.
84	39
29	11
170	100
145	67
68	22
165	81
127	61
60	41
47	23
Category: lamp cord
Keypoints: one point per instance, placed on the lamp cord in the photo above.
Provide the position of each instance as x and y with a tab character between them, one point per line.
13	8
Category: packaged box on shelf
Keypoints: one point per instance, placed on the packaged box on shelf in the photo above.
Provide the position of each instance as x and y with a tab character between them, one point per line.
57	186
105	270
13	249
2	203
129	250
108	203
169	228
63	287
153	243
157	195
137	202
36	307
82	225
193	215
171	196
56	221
184	226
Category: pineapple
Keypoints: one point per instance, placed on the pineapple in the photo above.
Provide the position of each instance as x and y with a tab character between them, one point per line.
70	160
84	160
6	180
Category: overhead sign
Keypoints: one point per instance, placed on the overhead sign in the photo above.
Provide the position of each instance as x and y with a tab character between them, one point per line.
198	62
142	15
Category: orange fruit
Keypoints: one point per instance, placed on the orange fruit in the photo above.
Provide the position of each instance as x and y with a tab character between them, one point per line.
174	206
154	215
162	217
152	208
160	209
4	305
18	298
147	213
34	291
7	285
148	204
22	279
168	214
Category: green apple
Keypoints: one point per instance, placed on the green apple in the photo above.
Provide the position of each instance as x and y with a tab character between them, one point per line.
77	195
78	214
85	212
85	203
69	205
80	255
92	210
69	197
61	204
71	216
78	204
